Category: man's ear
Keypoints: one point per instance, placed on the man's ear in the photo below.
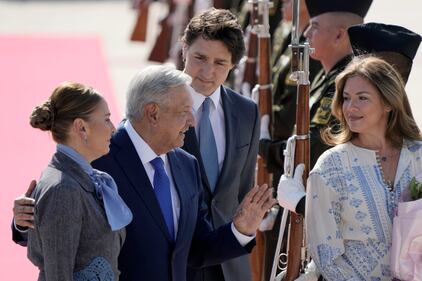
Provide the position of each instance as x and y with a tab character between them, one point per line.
341	34
151	112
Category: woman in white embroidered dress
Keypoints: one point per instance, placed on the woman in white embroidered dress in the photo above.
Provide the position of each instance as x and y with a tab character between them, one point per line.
354	188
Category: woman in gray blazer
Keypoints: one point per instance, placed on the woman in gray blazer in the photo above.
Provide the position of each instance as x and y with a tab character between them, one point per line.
79	216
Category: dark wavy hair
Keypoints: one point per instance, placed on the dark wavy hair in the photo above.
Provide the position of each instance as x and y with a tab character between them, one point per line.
217	24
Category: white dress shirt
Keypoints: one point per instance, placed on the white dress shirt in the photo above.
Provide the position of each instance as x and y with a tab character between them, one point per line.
146	154
216	118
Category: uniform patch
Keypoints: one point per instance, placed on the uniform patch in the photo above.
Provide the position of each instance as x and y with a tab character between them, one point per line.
323	113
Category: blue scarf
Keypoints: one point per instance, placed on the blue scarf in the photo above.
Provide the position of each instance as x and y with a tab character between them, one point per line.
118	213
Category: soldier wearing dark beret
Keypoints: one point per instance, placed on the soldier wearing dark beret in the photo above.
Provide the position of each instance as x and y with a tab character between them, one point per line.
328	35
394	44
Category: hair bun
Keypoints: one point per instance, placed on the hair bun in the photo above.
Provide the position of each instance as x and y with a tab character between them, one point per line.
42	116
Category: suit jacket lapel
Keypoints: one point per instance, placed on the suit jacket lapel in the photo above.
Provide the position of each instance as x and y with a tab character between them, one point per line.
231	124
191	145
181	188
128	159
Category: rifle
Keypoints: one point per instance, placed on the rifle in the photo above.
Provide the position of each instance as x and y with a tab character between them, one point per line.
296	255
249	75
264	82
262	41
218	4
161	49
139	32
246	72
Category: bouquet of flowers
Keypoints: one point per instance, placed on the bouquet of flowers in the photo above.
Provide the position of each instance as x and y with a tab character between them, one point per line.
406	250
415	189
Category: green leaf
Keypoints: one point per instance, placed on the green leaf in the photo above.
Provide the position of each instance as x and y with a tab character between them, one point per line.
415	188
419	187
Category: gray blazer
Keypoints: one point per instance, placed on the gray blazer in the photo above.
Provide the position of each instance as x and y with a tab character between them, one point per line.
72	239
236	178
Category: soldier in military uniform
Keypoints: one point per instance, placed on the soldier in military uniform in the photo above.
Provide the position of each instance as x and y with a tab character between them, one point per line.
327	34
394	44
284	107
284	89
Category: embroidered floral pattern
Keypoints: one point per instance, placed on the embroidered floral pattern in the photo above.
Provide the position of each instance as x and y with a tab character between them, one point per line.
355	202
357	209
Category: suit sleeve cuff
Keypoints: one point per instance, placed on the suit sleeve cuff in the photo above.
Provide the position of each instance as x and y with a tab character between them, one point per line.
241	238
18	228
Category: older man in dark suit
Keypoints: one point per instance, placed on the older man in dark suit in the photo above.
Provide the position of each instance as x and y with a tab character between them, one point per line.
162	186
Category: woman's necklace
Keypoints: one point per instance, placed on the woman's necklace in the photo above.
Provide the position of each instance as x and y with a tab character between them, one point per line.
387	172
387	182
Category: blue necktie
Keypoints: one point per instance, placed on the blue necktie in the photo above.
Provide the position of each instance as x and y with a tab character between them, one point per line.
162	192
207	145
117	212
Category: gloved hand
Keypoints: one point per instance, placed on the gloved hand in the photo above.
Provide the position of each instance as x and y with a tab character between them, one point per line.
268	222
291	190
255	94
265	128
311	273
246	89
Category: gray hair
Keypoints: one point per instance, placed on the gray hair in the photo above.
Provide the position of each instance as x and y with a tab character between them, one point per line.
152	85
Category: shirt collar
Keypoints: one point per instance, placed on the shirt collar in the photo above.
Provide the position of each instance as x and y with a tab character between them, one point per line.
198	98
75	156
145	152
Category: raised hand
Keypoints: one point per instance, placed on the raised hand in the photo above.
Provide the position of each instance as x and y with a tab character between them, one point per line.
253	208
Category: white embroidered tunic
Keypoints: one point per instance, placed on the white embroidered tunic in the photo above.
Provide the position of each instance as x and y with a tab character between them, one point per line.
350	209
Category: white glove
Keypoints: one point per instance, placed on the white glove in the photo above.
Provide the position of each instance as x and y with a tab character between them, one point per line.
265	128
291	190
281	275
255	94
246	89
268	222
311	273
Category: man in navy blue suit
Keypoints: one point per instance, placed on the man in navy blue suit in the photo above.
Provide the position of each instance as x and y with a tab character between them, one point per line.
161	241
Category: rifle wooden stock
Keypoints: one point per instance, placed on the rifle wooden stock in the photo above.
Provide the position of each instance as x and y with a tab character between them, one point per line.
265	107
218	4
265	97
249	75
301	156
139	33
161	49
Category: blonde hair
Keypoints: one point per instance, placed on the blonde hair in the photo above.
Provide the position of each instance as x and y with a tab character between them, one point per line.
400	125
69	100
